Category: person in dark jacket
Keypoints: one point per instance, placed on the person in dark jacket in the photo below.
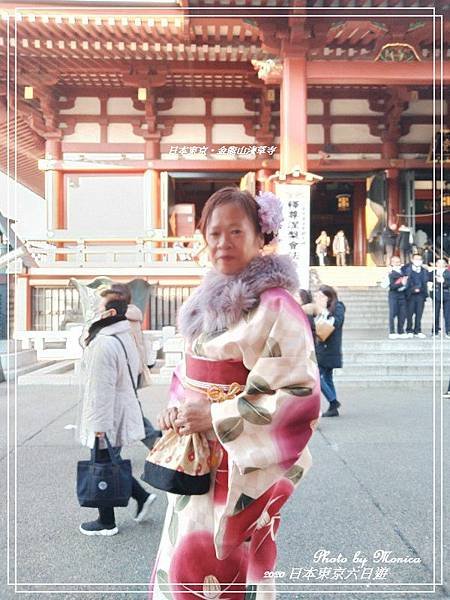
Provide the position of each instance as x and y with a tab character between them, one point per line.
404	243
397	299
416	295
428	255
329	352
389	237
441	295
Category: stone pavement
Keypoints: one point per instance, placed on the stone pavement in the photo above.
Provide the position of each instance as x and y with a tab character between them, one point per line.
370	488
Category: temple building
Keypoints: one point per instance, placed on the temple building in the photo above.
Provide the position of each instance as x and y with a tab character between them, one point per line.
124	118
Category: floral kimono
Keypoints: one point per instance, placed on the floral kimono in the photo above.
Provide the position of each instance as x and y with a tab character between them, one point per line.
224	541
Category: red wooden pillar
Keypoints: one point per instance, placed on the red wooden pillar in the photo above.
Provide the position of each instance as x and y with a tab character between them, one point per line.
152	146
293	119
55	191
393	203
359	224
389	147
53	151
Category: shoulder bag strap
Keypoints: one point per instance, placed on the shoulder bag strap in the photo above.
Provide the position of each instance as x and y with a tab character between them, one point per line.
131	375
128	363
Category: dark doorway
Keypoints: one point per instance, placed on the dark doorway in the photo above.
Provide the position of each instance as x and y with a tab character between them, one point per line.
195	189
331	210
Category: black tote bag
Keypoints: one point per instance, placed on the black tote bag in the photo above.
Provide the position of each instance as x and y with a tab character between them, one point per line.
104	484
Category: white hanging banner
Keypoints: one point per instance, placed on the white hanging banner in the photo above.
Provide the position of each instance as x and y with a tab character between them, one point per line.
294	236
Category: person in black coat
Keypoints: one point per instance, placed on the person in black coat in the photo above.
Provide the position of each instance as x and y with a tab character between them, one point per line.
416	295
397	298
389	237
441	295
404	243
329	351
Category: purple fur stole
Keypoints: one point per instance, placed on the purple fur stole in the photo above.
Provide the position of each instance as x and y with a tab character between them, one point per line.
221	300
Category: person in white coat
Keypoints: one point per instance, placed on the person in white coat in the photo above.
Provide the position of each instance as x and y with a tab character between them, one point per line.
110	406
120	291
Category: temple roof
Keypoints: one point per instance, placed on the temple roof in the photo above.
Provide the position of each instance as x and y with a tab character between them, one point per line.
203	46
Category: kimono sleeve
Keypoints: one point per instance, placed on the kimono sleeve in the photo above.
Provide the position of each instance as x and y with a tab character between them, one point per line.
271	421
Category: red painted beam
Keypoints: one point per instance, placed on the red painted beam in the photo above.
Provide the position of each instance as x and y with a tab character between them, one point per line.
379	73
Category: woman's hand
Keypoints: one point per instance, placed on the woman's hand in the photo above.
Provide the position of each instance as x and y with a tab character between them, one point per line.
321	300
194	417
166	419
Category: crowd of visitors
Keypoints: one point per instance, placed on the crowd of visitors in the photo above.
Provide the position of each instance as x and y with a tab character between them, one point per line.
409	288
340	248
405	243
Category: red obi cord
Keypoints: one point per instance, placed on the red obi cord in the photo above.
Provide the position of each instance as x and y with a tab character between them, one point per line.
219	372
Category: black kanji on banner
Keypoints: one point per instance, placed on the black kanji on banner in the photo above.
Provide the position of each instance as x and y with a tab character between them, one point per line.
441	147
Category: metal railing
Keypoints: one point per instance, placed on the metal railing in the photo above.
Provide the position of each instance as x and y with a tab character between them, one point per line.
165	302
60	252
52	307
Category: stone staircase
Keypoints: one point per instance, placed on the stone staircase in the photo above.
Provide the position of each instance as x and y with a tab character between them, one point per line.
370	358
16	362
367	312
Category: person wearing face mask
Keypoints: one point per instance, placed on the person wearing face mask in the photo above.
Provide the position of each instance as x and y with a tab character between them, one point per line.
416	295
249	386
109	403
441	295
397	299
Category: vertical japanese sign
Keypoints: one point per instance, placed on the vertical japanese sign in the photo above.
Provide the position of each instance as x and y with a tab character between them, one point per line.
294	236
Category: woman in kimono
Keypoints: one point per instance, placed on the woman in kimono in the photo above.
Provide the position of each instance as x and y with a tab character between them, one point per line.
250	383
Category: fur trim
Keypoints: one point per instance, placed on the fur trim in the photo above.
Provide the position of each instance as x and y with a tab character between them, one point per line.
220	301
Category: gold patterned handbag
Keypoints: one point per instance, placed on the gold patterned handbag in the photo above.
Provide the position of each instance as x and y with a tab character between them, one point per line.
181	464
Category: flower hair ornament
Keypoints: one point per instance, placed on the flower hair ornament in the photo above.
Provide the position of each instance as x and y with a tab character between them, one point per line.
270	212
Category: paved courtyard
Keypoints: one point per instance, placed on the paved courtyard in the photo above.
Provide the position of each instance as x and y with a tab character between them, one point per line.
370	489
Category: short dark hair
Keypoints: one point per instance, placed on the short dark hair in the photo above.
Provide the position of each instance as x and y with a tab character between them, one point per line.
233	195
120	306
118	291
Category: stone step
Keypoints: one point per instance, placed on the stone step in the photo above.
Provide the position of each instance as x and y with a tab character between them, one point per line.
381	323
395	358
29	369
381	301
401	345
60	372
10	346
381	328
17	360
415	371
376	313
381	381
